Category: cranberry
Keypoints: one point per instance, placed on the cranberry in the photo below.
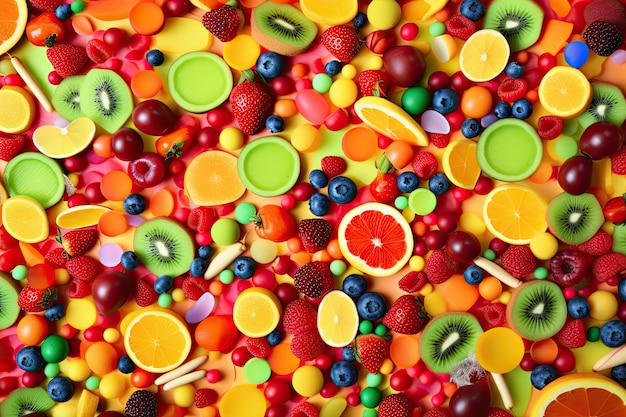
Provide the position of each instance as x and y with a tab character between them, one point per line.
565	360
568	267
438	80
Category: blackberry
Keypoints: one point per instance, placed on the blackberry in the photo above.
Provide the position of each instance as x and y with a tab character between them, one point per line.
141	403
603	38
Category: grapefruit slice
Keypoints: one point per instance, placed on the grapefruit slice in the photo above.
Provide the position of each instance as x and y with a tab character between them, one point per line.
212	179
375	239
565	92
580	395
329	12
337	319
484	55
12	23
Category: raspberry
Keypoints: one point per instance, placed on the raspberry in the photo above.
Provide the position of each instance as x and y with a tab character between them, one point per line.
333	166
512	89
460	27
314	279
440	140
440	266
204	397
498	412
258	347
425	165
304	409
413	281
573	334
194	287
549	127
299	316
495	314
518	260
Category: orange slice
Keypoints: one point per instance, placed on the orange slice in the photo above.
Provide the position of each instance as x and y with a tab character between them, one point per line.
17	109
515	213
337	319
329	12
256	312
460	164
390	120
580	395
58	143
212	179
12	23
565	92
157	341
25	219
484	55
375	239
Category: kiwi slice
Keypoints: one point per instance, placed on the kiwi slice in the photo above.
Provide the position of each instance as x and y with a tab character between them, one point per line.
537	310
447	340
607	103
520	21
575	218
66	97
24	401
619	238
9	310
282	28
106	99
164	247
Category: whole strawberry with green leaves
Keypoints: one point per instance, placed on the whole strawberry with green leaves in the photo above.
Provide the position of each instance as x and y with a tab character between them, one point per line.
32	300
251	103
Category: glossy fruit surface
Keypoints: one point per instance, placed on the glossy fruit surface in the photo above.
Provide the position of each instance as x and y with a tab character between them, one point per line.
153	117
462	246
404	65
42	26
274	223
110	290
601	140
471	400
127	144
147	170
575	174
614	210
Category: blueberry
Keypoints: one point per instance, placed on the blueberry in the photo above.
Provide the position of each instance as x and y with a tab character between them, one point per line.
163	284
155	57
343	373
270	64
198	267
275	124
333	67
514	69
55	312
274	338
407	182
618	373
439	184
347	352
371	306
473	274
341	189
125	364
445	100
542	375
354	285
502	109
359	20
205	251
134	204
29	358
613	333
472	9
244	267
522	109
64	11
621	289
60	389
318	179
578	307
470	128
129	260
319	204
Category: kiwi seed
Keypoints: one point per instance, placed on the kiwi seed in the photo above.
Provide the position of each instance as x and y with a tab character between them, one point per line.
24	401
575	218
66	97
520	21
607	103
106	99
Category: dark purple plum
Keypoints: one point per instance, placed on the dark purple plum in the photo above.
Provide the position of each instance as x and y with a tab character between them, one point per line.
463	247
153	117
127	144
404	65
471	400
575	175
601	140
110	290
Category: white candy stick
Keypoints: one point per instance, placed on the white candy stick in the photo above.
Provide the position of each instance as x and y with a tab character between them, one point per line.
32	84
614	358
185	379
503	389
181	370
225	258
497	271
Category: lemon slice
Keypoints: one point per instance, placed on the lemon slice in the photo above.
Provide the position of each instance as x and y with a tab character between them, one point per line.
390	120
25	219
565	92
337	319
484	55
17	109
80	216
256	312
70	140
329	12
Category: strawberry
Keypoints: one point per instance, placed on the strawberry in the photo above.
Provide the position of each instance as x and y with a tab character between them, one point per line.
495	314
251	103
38	6
10	145
299	315
307	345
32	300
204	397
437	412
373	83
384	188
66	59
425	165
608	265
77	288
258	347
174	144
498	412
371	350
333	166
144	293
598	244
224	22
572	334
304	409
518	260
412	281
56	258
201	218
549	127
83	267
511	89
406	315
314	279
194	287
618	161
394	405
439	140
460	27
98	51
78	242
342	42
440	266
314	234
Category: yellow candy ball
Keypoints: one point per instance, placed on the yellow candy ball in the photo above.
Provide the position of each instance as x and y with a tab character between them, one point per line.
307	380
602	305
112	385
61	276
343	92
417	263
263	251
505	297
472	223
76	369
178	295
183	395
231	138
74	178
544	246
435	304
111	335
384	14
348	71
426	289
306	138
375	62
387	367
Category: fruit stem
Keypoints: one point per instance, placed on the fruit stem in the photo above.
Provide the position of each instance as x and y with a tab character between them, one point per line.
384	165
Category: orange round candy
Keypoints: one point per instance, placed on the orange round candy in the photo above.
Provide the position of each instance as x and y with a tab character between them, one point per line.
476	102
544	351
116	185
359	143
282	360
216	333
101	358
404	351
32	329
399	153
490	288
146	84
102	146
285	107
112	223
